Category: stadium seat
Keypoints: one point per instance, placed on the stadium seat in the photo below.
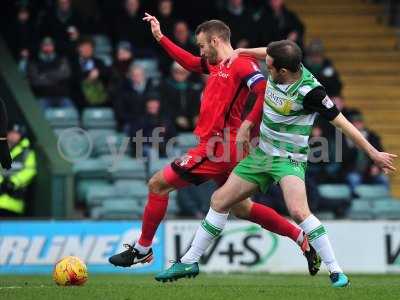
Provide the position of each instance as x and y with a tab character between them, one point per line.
372	192
92	168
186	141
325	215
334	191
74	144
361	210
158	164
173	208
83	185
97	194
117	208
132	188
102	44
150	67
62	117
124	167
107	144
98	118
387	209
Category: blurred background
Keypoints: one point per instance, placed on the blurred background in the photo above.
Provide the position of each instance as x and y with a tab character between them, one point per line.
81	77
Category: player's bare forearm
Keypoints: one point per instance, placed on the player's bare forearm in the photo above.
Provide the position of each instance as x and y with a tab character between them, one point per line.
354	134
259	53
382	159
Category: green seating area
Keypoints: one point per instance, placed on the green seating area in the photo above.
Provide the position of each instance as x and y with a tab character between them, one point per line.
108	181
373	201
112	184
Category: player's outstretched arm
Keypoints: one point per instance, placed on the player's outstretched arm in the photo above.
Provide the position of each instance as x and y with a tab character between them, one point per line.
381	159
185	59
258	53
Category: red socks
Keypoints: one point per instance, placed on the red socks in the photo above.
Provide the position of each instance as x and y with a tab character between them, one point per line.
154	213
272	221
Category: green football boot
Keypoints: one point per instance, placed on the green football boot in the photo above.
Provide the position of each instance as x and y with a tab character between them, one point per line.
178	270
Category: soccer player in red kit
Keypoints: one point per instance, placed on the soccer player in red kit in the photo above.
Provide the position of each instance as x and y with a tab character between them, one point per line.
219	130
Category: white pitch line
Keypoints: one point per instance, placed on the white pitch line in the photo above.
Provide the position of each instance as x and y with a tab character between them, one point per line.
20	287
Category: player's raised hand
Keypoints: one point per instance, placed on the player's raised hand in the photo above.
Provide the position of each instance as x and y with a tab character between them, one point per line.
230	59
385	161
155	26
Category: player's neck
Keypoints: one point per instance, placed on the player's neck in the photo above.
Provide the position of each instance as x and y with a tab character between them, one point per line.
224	52
292	78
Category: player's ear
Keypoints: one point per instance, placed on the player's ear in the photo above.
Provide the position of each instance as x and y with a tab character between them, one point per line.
283	71
214	41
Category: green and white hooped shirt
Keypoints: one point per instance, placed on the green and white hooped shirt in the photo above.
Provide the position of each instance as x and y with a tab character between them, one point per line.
288	115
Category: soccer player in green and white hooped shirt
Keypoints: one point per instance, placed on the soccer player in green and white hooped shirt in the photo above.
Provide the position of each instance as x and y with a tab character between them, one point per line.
292	99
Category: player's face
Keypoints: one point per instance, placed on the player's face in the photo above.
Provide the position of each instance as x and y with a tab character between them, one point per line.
207	48
276	75
271	69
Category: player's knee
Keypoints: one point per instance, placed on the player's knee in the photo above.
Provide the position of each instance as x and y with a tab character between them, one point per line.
241	210
299	215
156	186
217	203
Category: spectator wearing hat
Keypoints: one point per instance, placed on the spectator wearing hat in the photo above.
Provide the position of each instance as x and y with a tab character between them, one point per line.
181	98
49	76
130	97
322	68
90	76
357	168
122	61
14	183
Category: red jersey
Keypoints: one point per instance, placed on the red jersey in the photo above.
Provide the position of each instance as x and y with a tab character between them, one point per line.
225	93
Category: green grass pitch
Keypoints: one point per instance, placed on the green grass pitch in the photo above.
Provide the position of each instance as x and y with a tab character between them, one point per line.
215	286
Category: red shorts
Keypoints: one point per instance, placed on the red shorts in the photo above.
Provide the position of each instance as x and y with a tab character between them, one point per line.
203	163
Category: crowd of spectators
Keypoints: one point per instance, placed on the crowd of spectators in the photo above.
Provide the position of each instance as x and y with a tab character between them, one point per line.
56	44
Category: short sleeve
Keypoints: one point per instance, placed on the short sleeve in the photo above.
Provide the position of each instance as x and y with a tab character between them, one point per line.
249	72
316	100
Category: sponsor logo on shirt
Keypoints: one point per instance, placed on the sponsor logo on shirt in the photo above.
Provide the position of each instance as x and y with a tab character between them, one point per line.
222	74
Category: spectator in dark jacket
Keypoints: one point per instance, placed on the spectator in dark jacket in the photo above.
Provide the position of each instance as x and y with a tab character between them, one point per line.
322	68
241	23
22	35
49	75
165	16
130	27
130	98
90	76
65	25
181	98
182	37
357	167
278	23
152	119
122	62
